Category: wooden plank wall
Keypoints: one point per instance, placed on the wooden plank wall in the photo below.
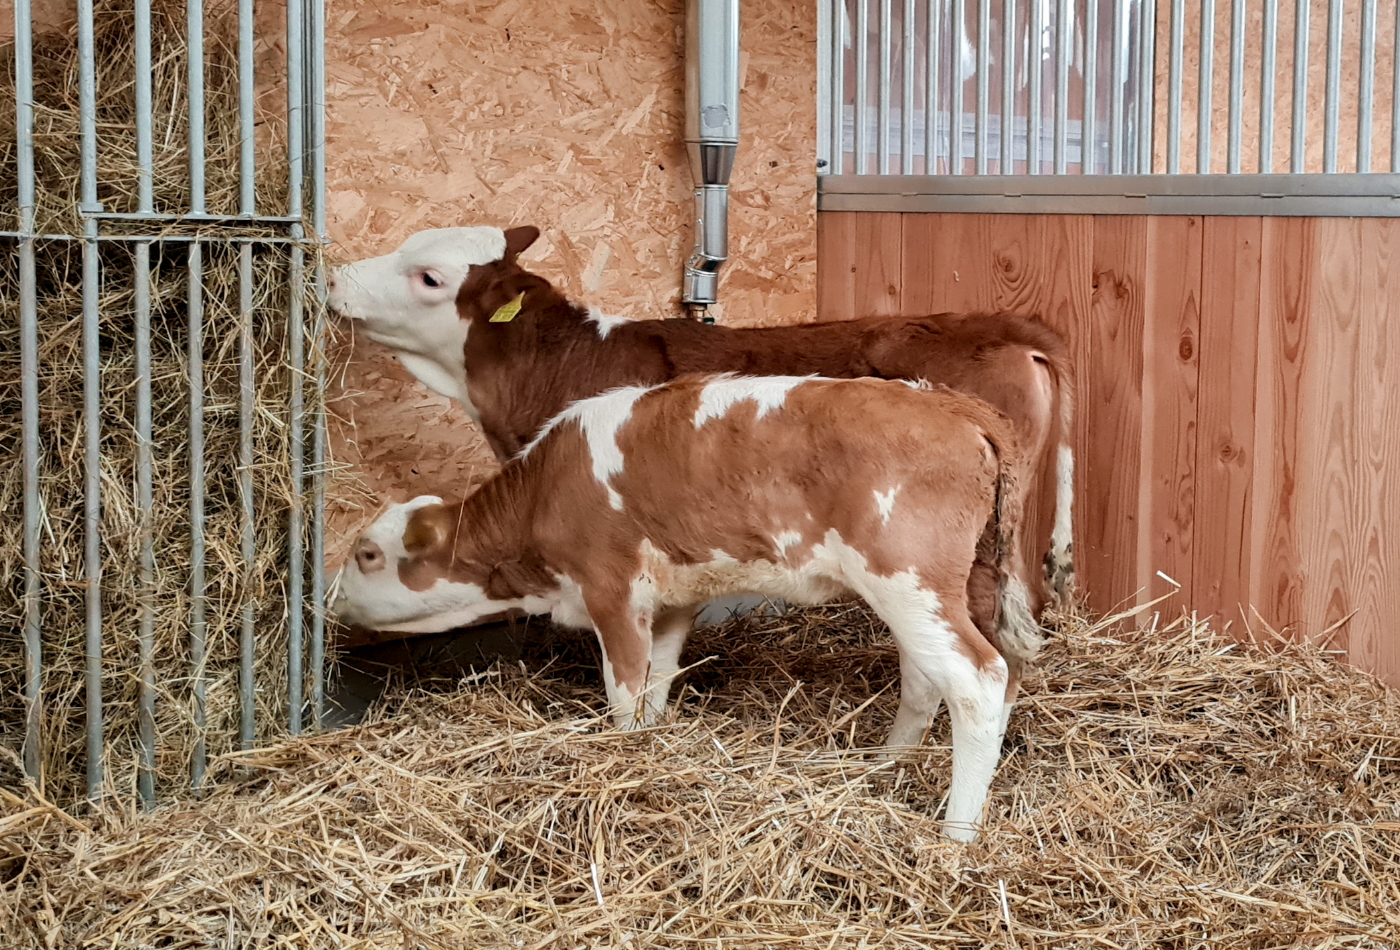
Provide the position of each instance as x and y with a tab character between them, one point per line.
1238	391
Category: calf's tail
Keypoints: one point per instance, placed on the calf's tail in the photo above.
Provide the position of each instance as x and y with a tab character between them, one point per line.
1018	633
1059	560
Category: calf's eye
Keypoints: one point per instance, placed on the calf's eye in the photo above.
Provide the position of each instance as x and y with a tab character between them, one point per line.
430	281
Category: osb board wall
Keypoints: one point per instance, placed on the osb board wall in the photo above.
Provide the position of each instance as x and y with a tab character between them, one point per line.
565	114
1238	394
48	16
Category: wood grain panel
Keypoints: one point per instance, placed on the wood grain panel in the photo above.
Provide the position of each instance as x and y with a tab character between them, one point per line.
1012	263
1171	364
947	267
1373	637
1108	545
1287	268
1331	480
1225	448
859	256
1238	396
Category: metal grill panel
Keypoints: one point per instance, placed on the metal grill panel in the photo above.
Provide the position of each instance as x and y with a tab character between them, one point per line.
128	244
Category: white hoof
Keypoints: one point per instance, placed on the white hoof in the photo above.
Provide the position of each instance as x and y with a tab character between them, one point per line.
960	831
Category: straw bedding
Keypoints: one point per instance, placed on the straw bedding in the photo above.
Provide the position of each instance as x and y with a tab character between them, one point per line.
233	582
1167	788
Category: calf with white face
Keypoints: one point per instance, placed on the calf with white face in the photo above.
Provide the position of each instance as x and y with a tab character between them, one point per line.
633	508
407	299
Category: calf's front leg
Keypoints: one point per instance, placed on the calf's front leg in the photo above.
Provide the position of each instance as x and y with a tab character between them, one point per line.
624	634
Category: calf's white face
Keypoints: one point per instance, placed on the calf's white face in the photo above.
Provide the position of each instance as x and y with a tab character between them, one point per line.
407	300
396	579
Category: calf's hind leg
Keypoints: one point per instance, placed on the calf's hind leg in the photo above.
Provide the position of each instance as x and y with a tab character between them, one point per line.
919	700
940	644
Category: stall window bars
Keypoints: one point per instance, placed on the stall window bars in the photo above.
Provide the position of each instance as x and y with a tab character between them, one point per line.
1217	105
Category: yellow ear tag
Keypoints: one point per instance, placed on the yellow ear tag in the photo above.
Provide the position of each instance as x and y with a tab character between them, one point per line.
506	312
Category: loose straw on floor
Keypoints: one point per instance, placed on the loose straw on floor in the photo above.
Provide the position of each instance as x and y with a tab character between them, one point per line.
1160	789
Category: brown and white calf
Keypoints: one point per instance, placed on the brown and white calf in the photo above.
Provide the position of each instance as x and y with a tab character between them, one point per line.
437	302
632	508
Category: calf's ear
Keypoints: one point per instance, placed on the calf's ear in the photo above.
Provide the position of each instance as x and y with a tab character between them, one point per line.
518	239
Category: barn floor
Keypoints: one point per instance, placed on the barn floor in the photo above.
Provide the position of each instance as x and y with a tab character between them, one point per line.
1173	791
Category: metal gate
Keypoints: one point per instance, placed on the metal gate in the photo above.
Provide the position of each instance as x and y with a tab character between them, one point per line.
1110	106
163	360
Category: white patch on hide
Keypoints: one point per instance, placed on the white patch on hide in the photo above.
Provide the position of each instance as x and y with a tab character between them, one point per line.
785	540
599	418
605	322
767	392
884	501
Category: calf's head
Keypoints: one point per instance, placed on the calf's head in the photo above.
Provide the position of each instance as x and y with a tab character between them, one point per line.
419	568
407	299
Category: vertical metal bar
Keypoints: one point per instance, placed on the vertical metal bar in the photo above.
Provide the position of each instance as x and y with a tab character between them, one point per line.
984	80
1299	157
145	161
146	714
906	108
1008	86
882	148
1204	115
194	31
1395	98
295	541
957	86
246	395
296	103
1366	95
247	197
931	92
1174	68
1035	70
318	442
308	67
92	391
1115	102
826	11
1333	89
838	89
195	308
1063	29
1268	67
1147	85
318	513
1234	144
1088	136
862	85
29	385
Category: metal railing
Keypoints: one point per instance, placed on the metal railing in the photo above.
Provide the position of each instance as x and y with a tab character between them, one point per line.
1181	100
260	243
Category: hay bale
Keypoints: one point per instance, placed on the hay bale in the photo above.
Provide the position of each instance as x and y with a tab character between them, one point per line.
1167	788
231	583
